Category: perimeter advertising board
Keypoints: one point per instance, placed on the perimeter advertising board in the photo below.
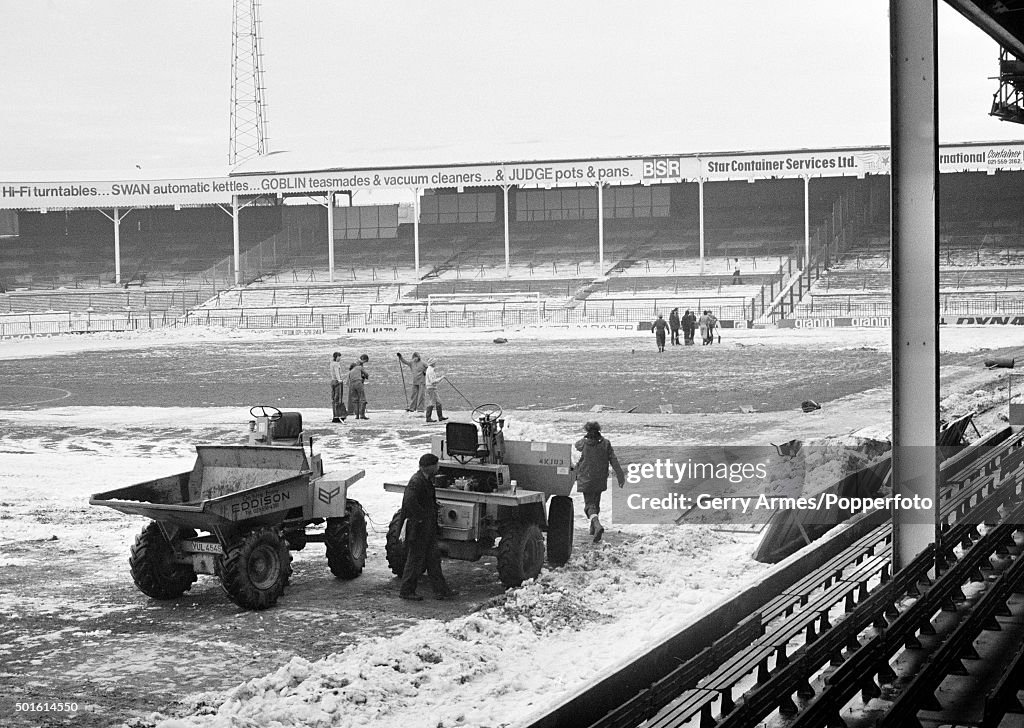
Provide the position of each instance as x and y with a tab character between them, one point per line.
988	158
832	322
796	165
538	174
207	191
19	194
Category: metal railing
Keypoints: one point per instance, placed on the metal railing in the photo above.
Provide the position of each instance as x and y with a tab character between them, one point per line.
66	322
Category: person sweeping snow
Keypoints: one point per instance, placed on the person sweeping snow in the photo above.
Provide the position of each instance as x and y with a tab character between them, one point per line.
596	456
431	379
418	369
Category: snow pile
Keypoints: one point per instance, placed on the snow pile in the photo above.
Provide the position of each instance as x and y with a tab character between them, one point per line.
543	606
821	464
979	400
551	635
373	680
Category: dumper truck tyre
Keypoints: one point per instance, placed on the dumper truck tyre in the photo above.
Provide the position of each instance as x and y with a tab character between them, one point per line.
346	542
394	549
520	553
218	570
560	530
154	568
255	570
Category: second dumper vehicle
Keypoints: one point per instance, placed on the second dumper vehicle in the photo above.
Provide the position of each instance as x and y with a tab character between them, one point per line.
497	496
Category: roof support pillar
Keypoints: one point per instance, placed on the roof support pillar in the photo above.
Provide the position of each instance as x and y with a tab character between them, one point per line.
116	218
600	228
416	192
700	220
236	239
236	208
117	246
330	236
504	190
915	333
807	223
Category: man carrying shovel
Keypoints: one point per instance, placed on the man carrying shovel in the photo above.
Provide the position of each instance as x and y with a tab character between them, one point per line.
418	370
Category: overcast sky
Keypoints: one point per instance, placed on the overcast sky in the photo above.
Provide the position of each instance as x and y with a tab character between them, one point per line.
111	84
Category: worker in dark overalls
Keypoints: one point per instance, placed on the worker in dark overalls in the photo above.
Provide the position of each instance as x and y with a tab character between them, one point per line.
419	511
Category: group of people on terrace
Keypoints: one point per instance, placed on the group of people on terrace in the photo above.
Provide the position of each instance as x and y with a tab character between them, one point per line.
689	324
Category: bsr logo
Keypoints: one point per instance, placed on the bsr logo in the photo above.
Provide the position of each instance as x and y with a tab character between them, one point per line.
662	168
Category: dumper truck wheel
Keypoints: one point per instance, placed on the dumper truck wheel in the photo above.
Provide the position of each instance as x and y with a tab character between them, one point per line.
346	542
560	530
520	553
154	568
255	570
393	548
218	569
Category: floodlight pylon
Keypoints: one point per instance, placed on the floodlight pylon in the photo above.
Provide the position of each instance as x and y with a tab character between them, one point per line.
1008	100
248	102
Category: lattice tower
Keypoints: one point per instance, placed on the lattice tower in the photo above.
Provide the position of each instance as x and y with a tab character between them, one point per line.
248	103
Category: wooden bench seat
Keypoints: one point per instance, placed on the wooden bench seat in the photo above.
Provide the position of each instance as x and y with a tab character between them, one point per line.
987	462
798	593
811	620
919	693
1002	698
965	457
669	689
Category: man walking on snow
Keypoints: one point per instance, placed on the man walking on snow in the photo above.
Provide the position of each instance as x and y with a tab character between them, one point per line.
596	456
659	327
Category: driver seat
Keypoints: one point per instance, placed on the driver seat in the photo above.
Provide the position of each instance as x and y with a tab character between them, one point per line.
463	442
289	427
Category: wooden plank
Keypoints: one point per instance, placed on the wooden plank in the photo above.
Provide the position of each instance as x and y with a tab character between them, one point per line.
689	704
631	713
684	677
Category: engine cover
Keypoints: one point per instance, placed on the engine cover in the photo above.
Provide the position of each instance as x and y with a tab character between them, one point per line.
458	521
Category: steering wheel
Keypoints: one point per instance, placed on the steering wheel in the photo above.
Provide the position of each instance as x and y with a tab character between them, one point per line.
486	413
261	410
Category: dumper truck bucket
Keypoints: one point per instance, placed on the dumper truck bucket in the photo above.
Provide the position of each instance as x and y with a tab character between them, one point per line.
229	484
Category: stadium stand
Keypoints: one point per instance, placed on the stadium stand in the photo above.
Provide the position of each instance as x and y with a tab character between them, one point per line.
178	265
981	258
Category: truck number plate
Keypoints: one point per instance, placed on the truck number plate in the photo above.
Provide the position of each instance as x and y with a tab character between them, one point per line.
203	547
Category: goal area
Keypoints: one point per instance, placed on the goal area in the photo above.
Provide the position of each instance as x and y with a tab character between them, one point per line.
484	309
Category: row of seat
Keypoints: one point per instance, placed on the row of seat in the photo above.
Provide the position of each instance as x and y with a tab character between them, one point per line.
804	609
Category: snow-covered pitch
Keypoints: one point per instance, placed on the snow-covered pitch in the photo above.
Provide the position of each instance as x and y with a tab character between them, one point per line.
498	657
